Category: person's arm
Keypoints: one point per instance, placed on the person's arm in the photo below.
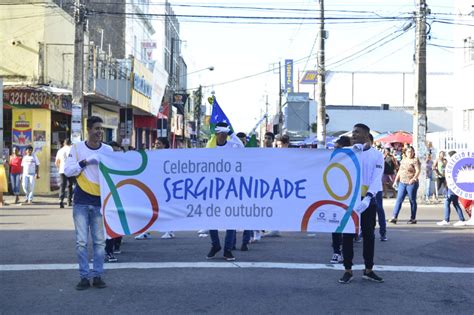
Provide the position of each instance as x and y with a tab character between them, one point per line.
37	163
376	179
73	167
417	172
58	161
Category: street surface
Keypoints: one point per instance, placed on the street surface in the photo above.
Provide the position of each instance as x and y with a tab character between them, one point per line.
427	270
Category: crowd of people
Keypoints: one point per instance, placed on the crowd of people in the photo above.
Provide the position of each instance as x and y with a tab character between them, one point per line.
389	171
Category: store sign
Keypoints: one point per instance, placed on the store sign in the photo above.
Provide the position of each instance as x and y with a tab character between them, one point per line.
141	85
149	45
30	98
310	77
289	75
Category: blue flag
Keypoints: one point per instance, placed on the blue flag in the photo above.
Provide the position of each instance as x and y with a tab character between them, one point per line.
217	116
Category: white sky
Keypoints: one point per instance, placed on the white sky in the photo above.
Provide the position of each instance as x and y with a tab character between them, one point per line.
237	50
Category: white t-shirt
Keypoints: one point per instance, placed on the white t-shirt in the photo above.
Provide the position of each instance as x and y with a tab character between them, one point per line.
29	163
62	156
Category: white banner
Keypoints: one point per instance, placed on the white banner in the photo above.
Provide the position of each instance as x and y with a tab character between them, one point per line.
253	189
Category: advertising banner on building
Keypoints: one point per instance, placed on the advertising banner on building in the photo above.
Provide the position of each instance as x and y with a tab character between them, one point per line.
289	76
22	126
307	190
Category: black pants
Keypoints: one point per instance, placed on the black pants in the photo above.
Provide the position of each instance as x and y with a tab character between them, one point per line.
367	226
112	244
336	243
69	182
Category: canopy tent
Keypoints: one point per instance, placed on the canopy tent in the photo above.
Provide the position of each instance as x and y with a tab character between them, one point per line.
399	136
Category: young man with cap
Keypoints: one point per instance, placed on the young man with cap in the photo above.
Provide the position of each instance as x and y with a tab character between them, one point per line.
372	169
83	163
222	133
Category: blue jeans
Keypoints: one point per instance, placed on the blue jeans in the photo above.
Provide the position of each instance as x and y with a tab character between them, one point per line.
381	214
29	186
229	239
428	188
246	235
452	198
403	191
87	217
15	182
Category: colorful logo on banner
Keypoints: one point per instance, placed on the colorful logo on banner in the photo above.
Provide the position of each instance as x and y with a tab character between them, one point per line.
21	131
338	199
119	207
289	75
460	174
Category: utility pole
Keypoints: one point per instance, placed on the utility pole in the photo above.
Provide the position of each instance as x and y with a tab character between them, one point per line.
171	89
420	120
280	114
321	121
77	87
197	114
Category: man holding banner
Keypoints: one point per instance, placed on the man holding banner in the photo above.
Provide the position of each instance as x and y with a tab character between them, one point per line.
222	132
372	170
82	163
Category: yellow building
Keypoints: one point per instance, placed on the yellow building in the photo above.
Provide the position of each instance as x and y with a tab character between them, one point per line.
36	63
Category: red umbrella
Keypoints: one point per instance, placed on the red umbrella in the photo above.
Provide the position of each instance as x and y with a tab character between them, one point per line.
399	136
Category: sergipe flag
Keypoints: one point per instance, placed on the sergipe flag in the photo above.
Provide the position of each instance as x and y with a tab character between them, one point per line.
217	116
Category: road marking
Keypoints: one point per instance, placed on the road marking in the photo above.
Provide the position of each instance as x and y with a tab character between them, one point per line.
248	265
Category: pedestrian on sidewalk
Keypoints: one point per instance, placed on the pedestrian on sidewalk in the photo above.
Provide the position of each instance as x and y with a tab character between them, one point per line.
372	163
407	181
82	162
68	182
15	172
30	165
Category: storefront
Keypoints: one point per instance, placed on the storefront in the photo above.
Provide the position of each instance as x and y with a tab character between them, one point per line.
39	117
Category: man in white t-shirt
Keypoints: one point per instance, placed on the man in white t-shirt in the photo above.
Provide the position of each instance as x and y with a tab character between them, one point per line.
61	157
30	165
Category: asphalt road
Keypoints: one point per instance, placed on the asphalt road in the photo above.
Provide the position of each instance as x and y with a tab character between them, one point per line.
427	270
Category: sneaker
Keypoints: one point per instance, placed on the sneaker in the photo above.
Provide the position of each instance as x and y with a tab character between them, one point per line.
459	223
442	223
372	277
244	248
411	221
336	258
383	238
97	282
83	284
203	231
346	278
257	236
393	220
167	235
110	258
143	236
61	205
228	255
69	203
203	235
212	253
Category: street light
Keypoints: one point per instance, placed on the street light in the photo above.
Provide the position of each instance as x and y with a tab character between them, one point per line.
210	68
